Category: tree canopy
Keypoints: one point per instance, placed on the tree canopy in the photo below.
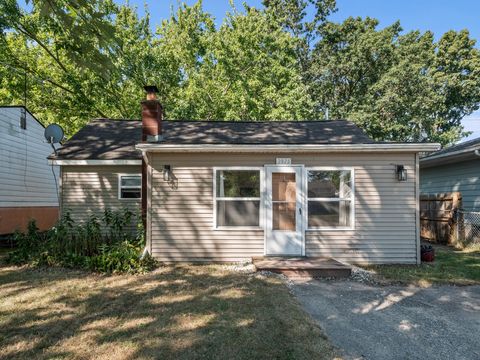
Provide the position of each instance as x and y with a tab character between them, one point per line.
77	59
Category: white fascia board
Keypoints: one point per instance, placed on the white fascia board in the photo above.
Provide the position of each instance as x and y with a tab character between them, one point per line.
289	148
95	162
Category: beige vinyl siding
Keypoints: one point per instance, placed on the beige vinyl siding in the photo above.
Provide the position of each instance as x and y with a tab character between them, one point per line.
182	212
182	217
88	190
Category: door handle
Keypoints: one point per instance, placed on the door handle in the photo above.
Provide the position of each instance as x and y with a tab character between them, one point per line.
300	211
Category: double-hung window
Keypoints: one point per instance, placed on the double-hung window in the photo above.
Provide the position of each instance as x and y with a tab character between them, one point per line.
237	197
330	198
129	186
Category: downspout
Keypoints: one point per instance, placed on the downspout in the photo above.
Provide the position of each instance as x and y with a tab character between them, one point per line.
145	202
152	113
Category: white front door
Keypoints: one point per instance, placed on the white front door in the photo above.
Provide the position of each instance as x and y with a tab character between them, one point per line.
283	210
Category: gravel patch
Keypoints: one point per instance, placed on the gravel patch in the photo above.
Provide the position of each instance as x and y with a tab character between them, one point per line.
363	276
245	267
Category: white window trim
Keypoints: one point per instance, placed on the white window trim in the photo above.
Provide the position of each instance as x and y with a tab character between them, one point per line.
352	207
260	199
128	187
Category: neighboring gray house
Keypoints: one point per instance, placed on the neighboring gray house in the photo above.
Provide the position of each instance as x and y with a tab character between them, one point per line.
27	181
230	191
456	168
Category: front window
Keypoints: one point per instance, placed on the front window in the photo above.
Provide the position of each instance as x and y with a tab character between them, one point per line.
130	186
330	198
237	198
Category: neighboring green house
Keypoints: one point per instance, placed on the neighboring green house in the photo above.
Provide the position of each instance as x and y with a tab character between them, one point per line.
456	168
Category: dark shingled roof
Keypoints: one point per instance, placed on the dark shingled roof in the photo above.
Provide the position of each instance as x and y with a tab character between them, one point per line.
109	139
460	152
472	145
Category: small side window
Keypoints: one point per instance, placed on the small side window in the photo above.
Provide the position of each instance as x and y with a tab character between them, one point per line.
130	186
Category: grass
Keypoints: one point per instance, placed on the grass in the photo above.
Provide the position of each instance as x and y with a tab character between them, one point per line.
176	312
3	254
451	266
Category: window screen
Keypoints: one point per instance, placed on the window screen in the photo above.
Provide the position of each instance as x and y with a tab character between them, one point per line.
237	197
330	198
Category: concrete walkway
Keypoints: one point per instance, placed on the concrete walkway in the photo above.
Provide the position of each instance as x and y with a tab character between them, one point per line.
394	322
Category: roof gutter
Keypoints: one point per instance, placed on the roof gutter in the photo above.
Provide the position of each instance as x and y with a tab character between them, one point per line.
449	154
289	148
94	162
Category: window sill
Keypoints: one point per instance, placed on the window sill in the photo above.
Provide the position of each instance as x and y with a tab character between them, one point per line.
238	228
330	229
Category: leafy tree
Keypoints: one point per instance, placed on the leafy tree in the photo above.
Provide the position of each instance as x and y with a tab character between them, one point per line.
76	71
292	14
247	69
397	87
62	44
80	59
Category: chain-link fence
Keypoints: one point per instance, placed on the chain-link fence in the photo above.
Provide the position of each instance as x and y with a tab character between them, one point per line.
468	228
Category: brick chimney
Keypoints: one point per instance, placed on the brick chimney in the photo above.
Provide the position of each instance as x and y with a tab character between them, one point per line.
151	116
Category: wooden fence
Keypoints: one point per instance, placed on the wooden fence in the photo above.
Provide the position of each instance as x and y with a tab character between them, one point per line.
439	218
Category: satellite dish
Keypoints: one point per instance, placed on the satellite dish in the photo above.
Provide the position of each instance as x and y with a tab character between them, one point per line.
54	133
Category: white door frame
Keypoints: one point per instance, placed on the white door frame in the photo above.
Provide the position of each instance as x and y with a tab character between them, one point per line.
300	206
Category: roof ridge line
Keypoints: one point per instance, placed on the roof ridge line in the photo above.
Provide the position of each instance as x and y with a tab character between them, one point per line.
231	121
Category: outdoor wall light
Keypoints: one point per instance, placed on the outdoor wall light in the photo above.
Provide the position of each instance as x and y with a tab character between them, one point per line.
401	173
167	170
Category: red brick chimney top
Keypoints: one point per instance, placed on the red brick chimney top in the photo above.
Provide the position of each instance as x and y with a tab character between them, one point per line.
152	113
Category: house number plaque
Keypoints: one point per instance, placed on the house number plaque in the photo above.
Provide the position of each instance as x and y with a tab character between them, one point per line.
284	161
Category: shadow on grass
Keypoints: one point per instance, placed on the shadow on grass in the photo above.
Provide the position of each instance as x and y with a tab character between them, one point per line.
176	312
3	254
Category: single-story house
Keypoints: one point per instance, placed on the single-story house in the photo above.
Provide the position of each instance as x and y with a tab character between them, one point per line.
454	169
230	191
27	182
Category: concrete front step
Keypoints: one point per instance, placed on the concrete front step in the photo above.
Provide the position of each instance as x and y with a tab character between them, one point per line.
303	267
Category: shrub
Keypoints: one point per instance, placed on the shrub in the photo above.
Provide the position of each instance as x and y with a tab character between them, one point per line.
107	244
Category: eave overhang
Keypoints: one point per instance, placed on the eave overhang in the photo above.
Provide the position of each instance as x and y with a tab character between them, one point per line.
290	148
450	157
65	162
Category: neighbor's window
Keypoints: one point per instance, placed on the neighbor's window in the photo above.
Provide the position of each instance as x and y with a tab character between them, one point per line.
330	198
23	118
237	197
130	187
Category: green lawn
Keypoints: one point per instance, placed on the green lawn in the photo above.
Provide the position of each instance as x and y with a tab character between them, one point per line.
3	254
451	266
175	312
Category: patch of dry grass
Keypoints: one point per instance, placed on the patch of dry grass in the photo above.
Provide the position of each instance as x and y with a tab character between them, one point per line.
451	266
183	312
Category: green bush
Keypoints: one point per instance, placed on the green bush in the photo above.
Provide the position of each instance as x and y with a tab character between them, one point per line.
107	244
